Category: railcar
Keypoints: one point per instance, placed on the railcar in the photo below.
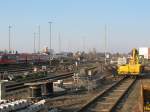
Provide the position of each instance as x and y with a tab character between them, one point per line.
7	59
23	58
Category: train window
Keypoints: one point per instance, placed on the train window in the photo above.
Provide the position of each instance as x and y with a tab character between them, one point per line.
0	57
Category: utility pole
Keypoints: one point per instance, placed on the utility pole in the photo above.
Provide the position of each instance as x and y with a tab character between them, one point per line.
59	39
34	50
69	45
84	44
105	42
9	30
39	39
50	35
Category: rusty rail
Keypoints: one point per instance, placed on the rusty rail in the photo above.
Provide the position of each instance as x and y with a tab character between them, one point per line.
108	100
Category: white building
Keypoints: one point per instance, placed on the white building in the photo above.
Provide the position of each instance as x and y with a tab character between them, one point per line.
143	51
121	61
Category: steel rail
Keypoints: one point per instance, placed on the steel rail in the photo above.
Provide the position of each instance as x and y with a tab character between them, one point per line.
107	100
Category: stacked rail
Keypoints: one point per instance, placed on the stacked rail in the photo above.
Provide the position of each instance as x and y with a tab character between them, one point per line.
14	106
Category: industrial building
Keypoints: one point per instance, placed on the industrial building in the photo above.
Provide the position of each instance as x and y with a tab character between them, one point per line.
144	51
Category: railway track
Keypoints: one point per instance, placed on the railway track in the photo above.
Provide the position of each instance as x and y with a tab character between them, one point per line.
24	68
16	70
108	100
21	85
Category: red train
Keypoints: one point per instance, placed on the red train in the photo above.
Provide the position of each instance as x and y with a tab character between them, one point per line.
23	58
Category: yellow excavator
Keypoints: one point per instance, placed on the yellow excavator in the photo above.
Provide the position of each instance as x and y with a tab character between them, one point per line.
133	68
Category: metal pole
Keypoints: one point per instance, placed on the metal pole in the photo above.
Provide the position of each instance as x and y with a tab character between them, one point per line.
34	43
84	44
105	42
9	28
69	46
59	42
39	39
50	23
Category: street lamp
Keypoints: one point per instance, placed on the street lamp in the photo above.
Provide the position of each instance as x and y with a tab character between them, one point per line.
105	43
50	37
34	50
9	28
59	39
39	38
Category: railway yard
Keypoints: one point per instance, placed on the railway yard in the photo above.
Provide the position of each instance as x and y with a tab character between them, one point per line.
74	56
72	86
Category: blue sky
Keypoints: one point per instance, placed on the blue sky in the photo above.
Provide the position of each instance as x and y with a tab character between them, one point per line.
128	23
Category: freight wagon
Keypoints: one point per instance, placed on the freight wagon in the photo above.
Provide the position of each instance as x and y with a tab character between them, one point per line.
24	58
